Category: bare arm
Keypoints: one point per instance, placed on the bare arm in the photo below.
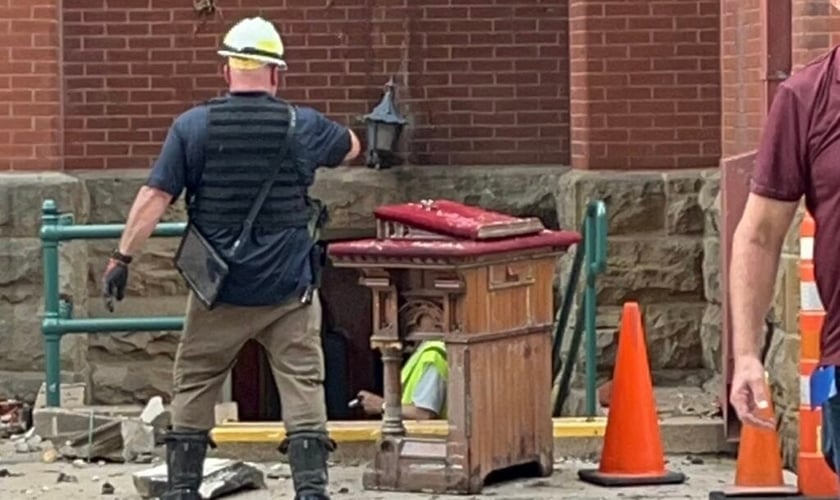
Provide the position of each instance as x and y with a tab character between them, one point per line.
355	146
756	248
411	412
149	206
373	405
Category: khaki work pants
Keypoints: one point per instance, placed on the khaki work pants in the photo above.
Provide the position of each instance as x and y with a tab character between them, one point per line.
210	344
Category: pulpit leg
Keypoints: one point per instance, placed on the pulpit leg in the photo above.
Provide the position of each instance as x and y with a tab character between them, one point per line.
392	422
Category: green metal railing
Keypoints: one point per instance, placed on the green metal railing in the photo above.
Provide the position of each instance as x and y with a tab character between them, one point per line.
58	313
590	257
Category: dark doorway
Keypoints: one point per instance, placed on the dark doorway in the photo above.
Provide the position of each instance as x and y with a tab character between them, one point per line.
351	365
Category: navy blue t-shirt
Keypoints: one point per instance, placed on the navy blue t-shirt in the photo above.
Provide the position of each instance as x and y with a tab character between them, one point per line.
273	265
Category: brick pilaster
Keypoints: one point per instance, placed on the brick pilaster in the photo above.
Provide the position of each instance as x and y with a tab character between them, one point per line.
645	89
30	85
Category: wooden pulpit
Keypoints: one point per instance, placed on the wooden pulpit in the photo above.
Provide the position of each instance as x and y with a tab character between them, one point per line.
483	282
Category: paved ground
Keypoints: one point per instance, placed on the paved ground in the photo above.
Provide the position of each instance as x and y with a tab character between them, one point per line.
33	479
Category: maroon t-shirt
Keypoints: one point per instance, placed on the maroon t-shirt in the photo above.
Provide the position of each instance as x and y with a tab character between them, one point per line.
799	155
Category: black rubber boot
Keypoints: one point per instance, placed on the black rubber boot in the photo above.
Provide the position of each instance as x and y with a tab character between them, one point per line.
308	453
185	452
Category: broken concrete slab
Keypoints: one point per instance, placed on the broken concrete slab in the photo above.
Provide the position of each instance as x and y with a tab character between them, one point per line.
280	471
122	440
72	395
226	412
221	477
60	424
155	414
104	441
138	439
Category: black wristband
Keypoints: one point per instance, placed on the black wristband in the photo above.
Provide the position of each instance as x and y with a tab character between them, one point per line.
125	259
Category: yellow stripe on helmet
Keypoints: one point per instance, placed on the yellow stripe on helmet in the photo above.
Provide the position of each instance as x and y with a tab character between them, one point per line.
241	64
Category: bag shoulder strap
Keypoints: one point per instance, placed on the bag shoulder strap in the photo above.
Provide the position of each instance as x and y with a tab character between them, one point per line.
266	187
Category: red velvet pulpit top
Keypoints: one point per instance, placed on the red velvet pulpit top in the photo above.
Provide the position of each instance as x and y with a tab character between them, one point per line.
443	228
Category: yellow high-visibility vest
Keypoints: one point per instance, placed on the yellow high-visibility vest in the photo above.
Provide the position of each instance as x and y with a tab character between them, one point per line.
430	352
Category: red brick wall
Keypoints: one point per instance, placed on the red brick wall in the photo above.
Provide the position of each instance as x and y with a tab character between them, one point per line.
741	80
481	82
816	28
645	90
30	85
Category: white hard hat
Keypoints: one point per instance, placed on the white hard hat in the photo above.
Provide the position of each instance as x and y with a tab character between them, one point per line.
254	40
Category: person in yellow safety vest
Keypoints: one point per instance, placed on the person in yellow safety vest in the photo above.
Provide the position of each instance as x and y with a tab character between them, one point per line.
423	378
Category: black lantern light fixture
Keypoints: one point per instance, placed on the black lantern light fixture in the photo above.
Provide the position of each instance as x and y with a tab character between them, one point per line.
384	126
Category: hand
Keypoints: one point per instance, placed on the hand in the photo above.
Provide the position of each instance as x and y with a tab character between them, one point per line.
114	282
749	394
371	403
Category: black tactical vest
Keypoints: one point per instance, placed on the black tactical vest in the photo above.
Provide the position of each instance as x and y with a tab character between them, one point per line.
245	146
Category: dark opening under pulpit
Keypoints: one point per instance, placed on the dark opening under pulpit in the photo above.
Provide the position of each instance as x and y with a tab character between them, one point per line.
483	283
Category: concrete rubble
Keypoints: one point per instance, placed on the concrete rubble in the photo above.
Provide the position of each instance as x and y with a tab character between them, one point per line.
28	480
85	434
82	435
28	442
279	471
226	412
221	477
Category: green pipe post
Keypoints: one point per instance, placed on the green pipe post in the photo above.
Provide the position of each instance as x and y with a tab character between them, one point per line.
52	337
590	315
599	210
595	246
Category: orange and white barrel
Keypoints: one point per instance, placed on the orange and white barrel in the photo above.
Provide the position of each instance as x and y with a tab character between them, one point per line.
815	478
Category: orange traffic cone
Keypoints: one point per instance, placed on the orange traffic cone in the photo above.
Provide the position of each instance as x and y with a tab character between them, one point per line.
632	454
759	467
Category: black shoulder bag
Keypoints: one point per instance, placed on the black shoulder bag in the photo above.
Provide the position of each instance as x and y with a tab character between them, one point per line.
203	267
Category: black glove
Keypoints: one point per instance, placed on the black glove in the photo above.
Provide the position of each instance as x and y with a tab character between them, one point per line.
116	278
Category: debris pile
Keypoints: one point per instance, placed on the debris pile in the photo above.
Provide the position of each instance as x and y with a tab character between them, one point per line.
15	417
221	477
81	434
28	442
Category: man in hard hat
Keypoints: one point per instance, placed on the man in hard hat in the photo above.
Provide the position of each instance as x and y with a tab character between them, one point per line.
797	158
227	154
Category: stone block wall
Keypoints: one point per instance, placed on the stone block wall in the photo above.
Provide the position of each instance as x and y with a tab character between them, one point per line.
21	284
662	253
